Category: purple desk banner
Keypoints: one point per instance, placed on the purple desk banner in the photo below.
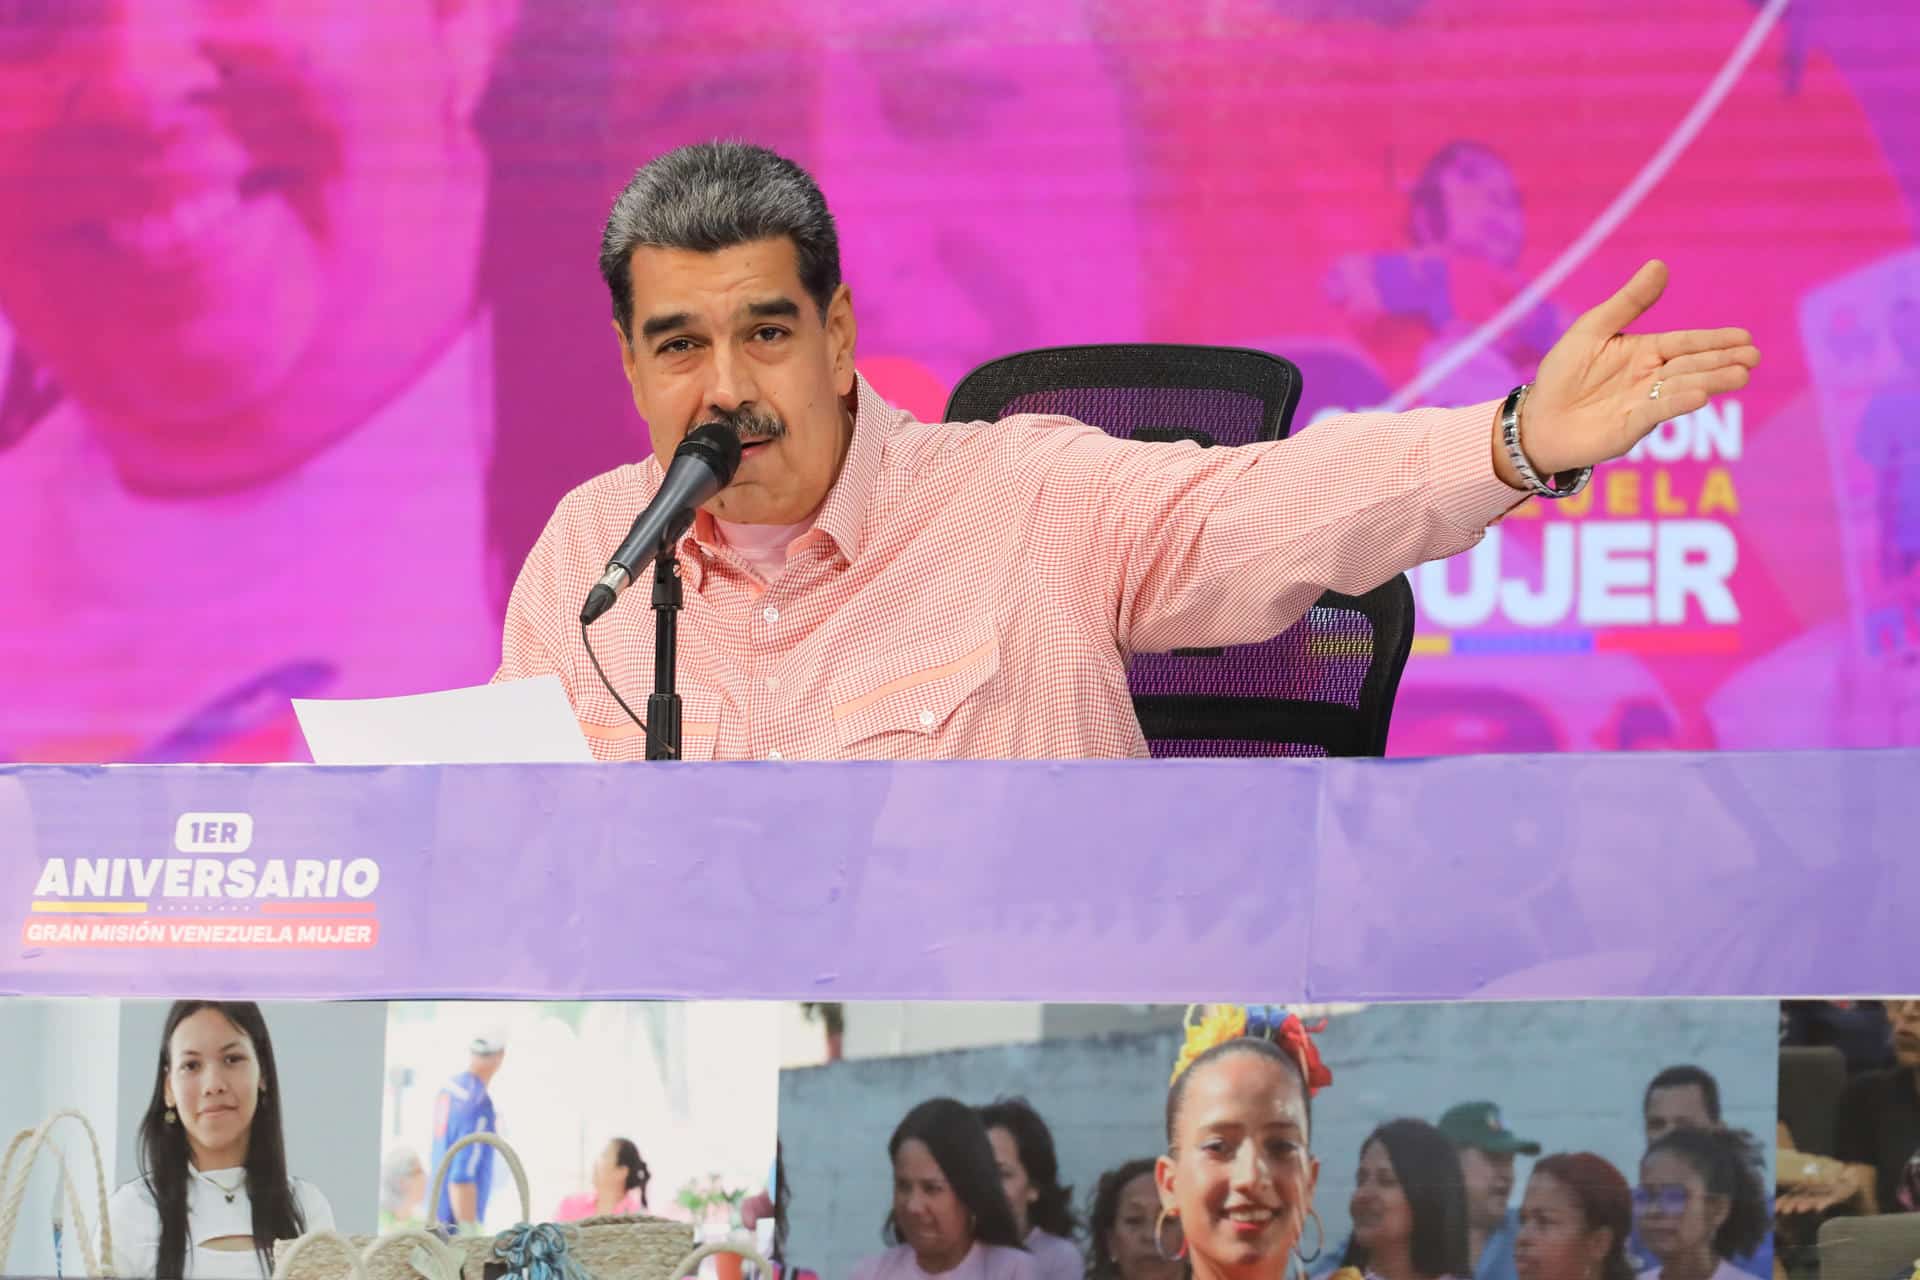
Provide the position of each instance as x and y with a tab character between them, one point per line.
1522	877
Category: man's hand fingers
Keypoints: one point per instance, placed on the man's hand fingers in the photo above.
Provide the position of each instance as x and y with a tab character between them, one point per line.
1719	357
1687	342
1686	393
1628	305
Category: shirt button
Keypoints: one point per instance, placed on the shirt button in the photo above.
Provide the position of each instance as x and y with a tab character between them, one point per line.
926	719
773	755
773	682
770	613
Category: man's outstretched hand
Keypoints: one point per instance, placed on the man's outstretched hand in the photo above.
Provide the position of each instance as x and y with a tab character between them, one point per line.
1592	399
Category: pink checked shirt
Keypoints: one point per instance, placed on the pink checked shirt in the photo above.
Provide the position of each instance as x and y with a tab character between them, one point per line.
974	589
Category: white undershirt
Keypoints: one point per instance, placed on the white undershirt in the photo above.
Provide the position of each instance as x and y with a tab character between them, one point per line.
762	546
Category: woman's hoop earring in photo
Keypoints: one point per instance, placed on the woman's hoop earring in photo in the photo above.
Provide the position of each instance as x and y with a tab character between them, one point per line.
1160	1237
1319	1239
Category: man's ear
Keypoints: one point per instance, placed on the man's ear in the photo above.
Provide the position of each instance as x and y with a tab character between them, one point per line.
842	332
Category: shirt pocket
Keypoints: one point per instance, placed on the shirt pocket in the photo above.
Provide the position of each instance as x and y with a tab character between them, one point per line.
622	740
917	689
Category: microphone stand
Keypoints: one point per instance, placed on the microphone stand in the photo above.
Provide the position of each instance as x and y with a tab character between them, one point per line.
663	705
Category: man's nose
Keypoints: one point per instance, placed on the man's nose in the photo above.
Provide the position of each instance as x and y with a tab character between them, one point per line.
732	384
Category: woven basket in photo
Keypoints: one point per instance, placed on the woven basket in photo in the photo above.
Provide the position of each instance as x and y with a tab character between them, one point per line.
13	1193
631	1247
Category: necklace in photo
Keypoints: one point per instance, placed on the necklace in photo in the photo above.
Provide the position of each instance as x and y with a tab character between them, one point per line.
231	1193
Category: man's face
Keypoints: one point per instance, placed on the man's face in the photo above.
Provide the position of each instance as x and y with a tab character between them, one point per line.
202	202
1681	1106
1489	1183
733	335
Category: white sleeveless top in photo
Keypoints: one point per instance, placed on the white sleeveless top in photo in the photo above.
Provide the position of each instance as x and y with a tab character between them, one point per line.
210	1216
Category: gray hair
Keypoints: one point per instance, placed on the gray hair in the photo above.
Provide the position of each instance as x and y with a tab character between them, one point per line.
712	196
395	1172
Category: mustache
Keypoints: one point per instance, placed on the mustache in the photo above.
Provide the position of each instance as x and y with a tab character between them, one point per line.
751	425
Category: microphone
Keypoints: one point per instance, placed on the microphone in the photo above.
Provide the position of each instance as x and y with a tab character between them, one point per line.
702	466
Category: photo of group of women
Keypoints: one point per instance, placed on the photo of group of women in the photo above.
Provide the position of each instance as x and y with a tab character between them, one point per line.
1571	1141
226	1128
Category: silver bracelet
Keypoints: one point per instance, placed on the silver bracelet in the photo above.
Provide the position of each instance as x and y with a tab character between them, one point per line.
1566	483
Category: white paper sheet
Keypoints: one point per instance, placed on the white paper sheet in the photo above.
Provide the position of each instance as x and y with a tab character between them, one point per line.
516	722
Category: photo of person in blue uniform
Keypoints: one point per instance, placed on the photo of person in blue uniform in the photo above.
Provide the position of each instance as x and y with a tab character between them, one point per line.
464	1107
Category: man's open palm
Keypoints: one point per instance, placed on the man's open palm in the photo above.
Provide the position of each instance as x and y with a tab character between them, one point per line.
1592	399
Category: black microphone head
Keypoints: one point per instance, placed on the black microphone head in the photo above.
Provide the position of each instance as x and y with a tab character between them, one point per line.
716	445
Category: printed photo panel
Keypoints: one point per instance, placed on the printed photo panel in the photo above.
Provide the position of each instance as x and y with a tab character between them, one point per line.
228	1130
1452	1139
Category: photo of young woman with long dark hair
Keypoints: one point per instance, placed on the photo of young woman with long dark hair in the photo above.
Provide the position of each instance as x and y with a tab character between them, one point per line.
213	1193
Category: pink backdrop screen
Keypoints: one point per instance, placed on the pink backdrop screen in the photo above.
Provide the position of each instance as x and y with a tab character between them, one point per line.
301	336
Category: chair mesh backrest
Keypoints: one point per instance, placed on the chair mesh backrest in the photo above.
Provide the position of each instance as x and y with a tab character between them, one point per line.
1206	415
1323	687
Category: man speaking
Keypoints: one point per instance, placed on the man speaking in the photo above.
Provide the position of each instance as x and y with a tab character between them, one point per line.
872	587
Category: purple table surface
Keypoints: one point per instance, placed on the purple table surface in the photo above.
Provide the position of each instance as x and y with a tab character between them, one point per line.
1540	877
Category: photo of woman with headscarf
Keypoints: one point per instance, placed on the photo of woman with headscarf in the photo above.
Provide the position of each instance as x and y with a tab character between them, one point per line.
1409	1205
1575	1218
1239	1171
950	1215
1700	1202
214	1192
1030	1173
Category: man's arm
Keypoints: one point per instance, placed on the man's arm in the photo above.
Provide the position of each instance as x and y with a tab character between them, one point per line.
1202	547
465	1198
1200	551
463	1178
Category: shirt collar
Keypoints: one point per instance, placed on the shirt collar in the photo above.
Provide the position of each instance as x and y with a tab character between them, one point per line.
844	513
